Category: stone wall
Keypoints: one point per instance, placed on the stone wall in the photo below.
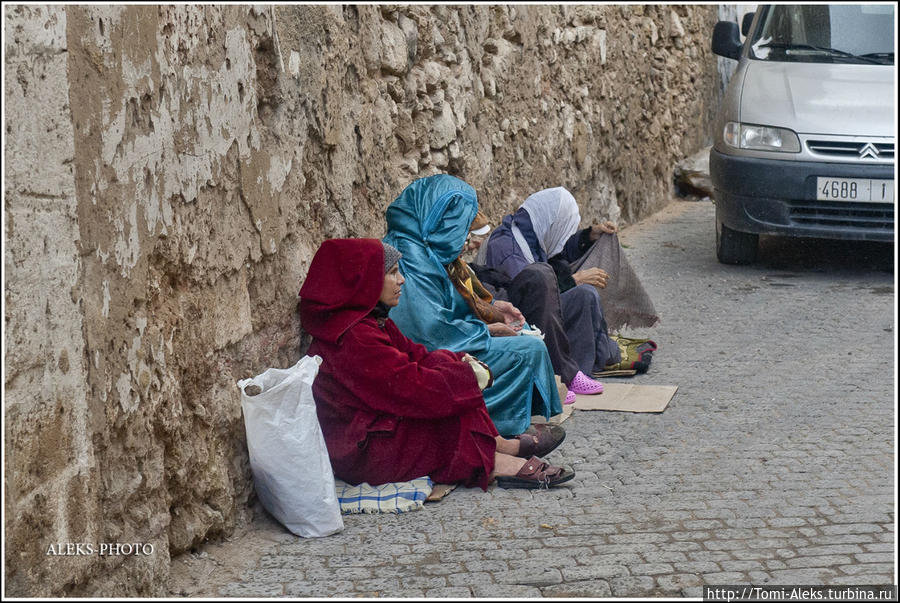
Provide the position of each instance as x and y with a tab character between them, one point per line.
170	172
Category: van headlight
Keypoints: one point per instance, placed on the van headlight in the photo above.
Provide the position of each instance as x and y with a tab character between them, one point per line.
760	138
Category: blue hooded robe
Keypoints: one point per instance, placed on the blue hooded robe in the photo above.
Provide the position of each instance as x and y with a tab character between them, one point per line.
428	224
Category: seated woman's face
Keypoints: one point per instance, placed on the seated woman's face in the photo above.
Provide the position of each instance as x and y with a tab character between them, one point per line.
473	243
390	292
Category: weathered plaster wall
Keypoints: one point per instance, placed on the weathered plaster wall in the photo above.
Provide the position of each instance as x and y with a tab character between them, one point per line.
51	479
171	170
731	12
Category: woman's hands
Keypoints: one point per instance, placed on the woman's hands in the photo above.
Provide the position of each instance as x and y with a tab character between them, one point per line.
592	276
512	318
596	276
606	227
498	329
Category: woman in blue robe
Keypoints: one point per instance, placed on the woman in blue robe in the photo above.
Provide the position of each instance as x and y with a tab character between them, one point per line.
428	224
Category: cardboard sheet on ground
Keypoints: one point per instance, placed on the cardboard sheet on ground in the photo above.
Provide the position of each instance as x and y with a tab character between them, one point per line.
628	397
439	492
555	420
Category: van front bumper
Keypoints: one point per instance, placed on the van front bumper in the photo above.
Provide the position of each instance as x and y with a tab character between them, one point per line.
766	196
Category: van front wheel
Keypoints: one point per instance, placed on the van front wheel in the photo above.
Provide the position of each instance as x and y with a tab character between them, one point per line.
733	247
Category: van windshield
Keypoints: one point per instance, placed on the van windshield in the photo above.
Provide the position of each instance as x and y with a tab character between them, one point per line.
825	33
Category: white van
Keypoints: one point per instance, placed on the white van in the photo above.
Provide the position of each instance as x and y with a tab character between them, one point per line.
804	140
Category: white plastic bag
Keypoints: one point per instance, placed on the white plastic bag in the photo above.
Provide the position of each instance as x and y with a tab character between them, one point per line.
291	469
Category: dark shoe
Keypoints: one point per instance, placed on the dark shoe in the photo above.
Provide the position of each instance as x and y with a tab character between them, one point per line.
541	441
536	474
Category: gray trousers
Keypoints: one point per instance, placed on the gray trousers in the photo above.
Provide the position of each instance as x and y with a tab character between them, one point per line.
535	293
589	341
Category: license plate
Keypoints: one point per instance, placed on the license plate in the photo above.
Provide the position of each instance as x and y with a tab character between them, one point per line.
854	189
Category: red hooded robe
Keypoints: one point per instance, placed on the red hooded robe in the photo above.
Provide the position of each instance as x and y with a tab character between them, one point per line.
389	410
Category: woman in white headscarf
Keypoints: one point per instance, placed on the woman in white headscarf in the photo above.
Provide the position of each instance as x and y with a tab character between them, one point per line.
538	233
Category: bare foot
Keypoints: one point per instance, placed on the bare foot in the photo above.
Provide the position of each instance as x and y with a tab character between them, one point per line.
510	447
505	464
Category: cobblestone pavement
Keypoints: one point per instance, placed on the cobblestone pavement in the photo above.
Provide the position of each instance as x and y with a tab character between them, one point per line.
773	464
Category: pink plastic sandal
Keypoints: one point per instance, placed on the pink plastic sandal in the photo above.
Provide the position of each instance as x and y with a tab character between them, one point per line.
582	384
570	397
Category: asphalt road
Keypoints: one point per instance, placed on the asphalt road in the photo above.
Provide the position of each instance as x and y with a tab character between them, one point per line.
773	464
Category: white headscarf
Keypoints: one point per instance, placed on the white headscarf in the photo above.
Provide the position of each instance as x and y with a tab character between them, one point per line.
554	218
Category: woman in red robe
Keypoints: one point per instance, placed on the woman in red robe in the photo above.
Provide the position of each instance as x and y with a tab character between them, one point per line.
390	410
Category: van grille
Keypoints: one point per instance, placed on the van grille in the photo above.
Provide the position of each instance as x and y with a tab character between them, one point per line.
859	151
868	216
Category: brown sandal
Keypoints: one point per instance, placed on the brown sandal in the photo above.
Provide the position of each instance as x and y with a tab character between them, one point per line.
543	440
536	474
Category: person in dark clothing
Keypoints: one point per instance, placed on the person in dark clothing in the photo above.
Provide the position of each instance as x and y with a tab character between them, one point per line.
536	296
540	233
534	293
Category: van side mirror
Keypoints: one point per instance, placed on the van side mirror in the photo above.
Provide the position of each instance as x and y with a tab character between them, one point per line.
726	40
746	22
